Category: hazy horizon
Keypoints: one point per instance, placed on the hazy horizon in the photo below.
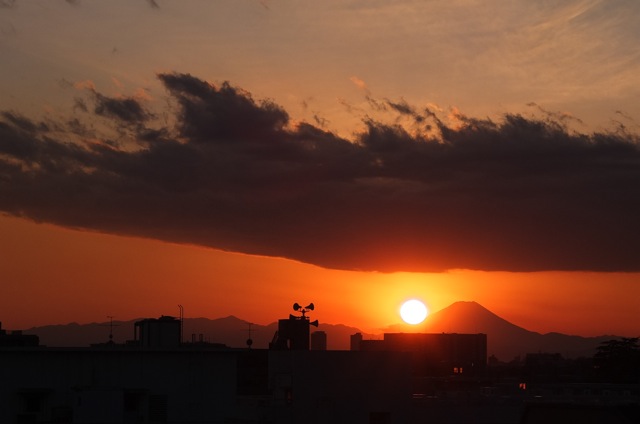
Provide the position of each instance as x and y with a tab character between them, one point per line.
398	326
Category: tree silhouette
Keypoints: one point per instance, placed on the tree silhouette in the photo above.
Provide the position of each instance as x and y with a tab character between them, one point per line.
618	360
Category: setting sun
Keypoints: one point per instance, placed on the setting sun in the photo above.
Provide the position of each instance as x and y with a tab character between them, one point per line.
413	311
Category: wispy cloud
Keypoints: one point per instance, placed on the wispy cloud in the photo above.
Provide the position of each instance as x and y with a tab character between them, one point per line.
234	173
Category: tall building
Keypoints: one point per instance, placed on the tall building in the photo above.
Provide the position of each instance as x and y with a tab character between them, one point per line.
163	332
293	333
356	340
318	340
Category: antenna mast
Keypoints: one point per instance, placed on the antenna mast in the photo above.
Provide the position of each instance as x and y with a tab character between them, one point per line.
111	325
249	340
181	323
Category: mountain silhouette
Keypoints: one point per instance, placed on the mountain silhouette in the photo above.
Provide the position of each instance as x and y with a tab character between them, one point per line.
504	339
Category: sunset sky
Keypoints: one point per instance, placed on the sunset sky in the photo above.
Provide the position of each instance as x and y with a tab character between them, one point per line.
237	156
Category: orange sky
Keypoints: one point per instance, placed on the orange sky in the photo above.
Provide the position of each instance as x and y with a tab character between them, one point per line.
55	275
100	74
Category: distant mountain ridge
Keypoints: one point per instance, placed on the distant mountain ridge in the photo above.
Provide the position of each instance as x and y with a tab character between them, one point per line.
504	339
230	330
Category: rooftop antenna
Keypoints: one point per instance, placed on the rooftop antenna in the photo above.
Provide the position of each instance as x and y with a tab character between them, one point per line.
303	310
181	323
111	325
249	340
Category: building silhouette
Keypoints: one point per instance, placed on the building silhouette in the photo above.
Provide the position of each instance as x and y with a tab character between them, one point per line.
157	379
293	333
163	332
354	341
434	354
403	378
318	340
16	338
133	384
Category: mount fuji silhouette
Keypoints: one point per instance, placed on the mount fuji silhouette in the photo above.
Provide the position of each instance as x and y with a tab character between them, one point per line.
504	339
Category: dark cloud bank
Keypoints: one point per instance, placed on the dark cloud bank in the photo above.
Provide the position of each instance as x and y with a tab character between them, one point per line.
520	194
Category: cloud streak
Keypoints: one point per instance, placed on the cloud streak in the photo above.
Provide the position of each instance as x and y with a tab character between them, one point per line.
234	173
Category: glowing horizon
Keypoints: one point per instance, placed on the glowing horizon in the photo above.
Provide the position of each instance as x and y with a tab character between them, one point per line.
131	278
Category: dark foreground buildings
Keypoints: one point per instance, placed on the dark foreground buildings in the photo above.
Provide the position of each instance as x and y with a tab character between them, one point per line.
155	378
439	354
130	385
17	338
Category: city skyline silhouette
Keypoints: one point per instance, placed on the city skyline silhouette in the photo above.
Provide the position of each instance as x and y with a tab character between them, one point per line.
444	377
